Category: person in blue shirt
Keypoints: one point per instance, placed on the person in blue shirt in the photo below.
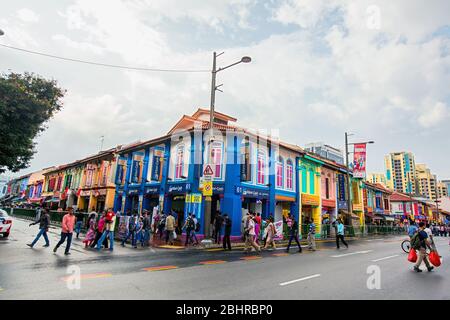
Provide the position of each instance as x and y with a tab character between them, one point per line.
340	234
412	229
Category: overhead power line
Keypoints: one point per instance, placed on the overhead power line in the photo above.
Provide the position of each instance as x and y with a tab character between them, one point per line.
105	64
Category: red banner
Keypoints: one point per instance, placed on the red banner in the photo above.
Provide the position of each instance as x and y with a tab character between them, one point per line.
359	161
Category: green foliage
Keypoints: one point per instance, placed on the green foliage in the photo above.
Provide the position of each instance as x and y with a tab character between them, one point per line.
27	103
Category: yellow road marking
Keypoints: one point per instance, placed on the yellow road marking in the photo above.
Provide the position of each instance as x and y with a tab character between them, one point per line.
161	268
216	249
280	254
171	247
212	262
89	276
251	258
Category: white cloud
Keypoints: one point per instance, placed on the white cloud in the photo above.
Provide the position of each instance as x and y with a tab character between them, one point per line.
435	115
313	82
27	15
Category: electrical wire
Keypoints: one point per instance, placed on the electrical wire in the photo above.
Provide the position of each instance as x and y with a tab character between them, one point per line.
104	64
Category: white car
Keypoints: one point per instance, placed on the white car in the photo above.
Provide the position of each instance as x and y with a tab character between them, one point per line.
5	223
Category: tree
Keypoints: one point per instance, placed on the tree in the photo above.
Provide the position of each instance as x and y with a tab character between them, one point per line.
27	103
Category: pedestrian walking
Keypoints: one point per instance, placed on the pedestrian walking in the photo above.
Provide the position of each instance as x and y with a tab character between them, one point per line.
90	234
227	232
140	233
249	233
271	232
147	228
162	225
218	222
257	226
100	228
79	218
293	233
131	232
110	223
68	223
170	229
422	244
340	234
189	226
312	236
44	223
196	229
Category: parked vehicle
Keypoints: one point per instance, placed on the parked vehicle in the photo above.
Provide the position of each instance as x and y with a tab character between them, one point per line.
5	223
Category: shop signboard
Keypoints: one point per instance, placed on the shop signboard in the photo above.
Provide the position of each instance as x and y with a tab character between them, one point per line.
152	190
207	188
341	185
193	204
218	189
252	193
310	200
179	188
359	160
279	230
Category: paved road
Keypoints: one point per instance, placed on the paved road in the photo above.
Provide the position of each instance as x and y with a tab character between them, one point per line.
183	274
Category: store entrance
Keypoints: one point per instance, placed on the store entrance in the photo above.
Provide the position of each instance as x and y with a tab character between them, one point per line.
178	203
100	204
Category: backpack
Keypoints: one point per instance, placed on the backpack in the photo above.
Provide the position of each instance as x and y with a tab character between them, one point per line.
415	241
190	225
197	227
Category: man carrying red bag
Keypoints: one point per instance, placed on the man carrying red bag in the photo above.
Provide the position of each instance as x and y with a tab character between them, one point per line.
423	244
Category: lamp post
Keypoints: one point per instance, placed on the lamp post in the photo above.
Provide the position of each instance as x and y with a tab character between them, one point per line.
349	201
215	88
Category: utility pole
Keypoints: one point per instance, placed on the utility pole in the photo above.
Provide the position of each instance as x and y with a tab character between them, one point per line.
349	201
102	138
214	87
208	200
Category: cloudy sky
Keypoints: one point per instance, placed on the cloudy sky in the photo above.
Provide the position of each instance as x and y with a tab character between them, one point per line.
379	69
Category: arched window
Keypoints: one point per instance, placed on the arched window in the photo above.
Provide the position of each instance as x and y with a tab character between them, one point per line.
261	169
289	175
179	165
217	158
279	167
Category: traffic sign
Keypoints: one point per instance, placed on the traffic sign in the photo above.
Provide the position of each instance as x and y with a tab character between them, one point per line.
208	170
207	188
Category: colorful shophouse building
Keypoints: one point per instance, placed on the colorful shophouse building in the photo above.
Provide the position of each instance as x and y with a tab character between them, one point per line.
252	172
377	203
86	184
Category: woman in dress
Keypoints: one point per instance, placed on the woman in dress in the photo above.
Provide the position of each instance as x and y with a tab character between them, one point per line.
270	234
90	235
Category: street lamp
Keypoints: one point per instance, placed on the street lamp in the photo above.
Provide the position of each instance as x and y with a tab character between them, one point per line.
214	87
349	202
214	72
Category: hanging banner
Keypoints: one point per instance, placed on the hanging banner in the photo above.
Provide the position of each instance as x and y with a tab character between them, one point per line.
279	229
157	161
359	161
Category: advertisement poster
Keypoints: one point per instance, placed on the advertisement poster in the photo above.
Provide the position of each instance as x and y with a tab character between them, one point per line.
279	229
359	161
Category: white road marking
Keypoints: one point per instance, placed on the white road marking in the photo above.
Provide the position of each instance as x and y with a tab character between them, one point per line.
350	254
385	258
301	279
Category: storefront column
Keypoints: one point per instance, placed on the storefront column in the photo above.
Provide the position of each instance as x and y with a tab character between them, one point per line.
232	202
272	175
92	203
165	174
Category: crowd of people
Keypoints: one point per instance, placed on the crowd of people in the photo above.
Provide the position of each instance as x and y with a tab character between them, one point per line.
259	234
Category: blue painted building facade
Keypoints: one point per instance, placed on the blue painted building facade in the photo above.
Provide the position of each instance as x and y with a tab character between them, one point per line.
251	172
